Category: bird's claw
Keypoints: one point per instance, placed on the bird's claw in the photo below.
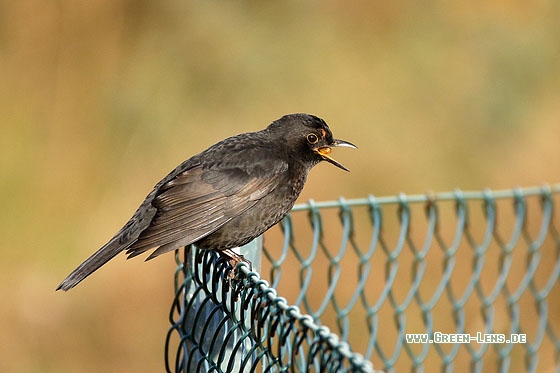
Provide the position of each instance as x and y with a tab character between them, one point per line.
234	259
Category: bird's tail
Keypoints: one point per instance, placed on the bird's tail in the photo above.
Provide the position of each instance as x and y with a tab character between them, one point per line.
92	264
124	238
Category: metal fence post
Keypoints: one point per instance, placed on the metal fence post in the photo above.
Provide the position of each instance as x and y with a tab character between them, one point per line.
192	305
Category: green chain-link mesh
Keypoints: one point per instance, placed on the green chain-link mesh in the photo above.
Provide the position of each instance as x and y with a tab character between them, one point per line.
374	270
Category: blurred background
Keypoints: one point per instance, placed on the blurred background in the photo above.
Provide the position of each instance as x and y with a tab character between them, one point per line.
102	99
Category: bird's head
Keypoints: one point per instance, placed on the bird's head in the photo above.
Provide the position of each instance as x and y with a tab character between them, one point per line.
309	138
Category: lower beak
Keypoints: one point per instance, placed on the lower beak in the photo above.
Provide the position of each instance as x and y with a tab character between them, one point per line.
325	151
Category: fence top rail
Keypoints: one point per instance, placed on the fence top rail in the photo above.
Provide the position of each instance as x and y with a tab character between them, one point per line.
457	194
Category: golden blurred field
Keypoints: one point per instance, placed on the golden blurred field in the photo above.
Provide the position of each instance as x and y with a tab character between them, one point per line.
101	99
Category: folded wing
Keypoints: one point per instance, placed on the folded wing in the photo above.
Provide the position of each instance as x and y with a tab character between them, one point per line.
196	203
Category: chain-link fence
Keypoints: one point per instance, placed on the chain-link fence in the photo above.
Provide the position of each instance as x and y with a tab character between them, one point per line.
356	282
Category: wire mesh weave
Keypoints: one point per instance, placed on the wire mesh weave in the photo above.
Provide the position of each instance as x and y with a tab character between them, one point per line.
234	322
375	270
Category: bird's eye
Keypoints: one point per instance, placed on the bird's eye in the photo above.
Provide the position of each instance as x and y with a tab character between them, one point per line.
312	138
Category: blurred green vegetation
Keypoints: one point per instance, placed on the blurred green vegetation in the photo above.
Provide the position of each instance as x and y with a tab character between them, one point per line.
101	99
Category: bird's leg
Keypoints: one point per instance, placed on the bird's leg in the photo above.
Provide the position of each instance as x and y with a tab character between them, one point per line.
235	258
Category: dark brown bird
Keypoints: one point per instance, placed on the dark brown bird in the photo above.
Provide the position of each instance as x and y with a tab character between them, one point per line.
225	196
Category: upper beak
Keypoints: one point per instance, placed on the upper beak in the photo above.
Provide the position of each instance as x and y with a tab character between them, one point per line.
325	151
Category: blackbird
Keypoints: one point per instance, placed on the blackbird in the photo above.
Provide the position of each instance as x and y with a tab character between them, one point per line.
225	196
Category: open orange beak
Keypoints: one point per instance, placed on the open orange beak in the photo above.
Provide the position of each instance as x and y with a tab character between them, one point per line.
325	151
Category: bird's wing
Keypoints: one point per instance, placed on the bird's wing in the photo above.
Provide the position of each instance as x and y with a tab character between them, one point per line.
198	202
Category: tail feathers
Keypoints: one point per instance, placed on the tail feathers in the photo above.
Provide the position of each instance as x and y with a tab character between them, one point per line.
92	264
